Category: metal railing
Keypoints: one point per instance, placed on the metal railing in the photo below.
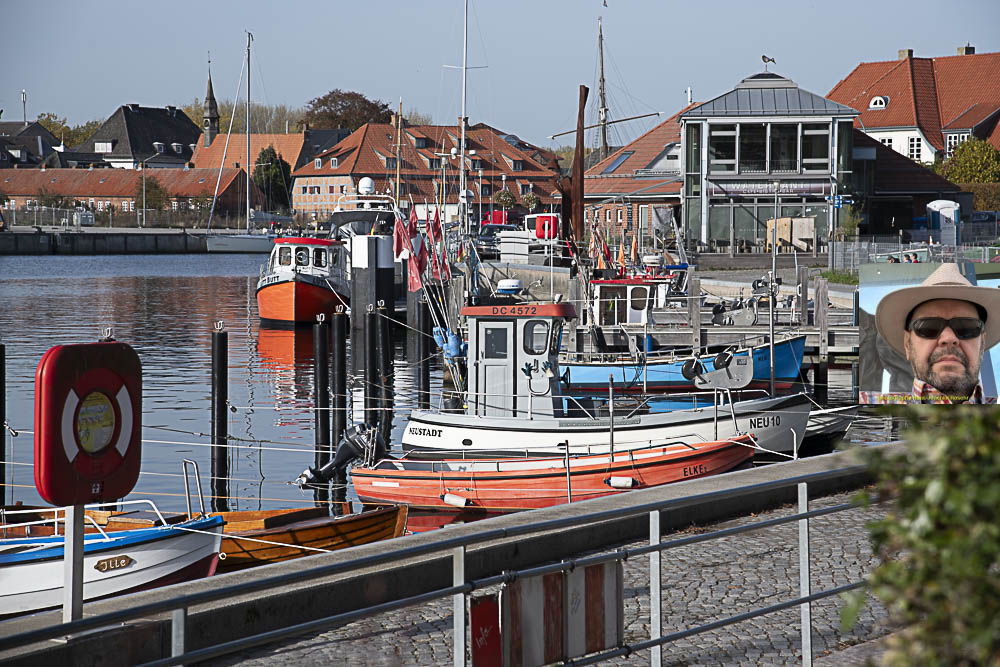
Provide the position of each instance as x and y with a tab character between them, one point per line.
461	587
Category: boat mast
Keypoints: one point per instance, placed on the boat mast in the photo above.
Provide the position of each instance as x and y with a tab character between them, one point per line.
249	160
602	111
399	141
461	157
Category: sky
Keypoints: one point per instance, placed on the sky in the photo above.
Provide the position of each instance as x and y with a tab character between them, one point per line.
81	59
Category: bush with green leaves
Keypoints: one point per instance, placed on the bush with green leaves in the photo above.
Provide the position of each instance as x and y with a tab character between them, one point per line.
939	545
504	199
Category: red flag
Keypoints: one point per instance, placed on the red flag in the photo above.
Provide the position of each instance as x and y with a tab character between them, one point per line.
412	227
414	283
437	222
399	237
435	265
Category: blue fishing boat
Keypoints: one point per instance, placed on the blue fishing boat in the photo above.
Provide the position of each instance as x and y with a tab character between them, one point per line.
670	371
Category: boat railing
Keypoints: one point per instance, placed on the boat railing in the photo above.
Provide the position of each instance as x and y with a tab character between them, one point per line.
59	515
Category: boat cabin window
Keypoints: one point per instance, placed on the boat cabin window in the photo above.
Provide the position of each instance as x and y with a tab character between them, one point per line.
302	257
556	339
319	257
612	300
495	339
285	256
638	298
536	336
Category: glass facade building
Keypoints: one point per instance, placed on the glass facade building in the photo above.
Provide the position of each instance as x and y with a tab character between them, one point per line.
766	137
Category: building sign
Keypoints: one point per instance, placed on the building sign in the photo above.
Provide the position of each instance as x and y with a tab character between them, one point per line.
752	188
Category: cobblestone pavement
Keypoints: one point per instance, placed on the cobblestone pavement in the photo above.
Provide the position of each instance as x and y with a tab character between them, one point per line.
701	583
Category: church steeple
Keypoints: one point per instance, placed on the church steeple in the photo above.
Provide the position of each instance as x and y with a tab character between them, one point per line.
211	118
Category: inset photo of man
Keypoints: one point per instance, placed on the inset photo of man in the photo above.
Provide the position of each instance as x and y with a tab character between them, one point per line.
930	337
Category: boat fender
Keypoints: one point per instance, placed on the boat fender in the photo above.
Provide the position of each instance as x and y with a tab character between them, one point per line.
691	369
621	482
722	360
439	336
455	347
455	500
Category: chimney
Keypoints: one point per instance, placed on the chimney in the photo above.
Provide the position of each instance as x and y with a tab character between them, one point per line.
905	53
967	50
171	110
464	120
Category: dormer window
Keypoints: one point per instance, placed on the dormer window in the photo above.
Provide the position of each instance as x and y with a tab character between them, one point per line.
102	146
390	163
318	163
334	163
878	102
477	163
177	148
434	163
517	165
159	146
420	142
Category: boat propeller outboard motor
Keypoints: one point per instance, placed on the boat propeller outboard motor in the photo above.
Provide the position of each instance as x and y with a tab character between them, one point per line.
361	441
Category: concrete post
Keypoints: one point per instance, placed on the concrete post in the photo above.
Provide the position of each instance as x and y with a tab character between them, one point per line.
694	311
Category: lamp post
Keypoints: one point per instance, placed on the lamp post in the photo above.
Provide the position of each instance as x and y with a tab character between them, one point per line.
771	283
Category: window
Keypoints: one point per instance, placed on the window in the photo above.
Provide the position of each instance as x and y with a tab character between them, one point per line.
159	146
334	163
607	215
390	163
419	142
878	102
617	162
954	140
517	165
536	336
495	346
319	257
753	148
619	216
886	141
784	148
434	163
177	148
638	298
173	205
102	146
304	190
722	148
486	190
525	188
815	147
343	189
302	257
285	256
100	206
314	190
914	148
478	164
318	163
330	190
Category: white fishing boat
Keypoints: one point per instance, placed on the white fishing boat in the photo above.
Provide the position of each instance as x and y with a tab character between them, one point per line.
114	562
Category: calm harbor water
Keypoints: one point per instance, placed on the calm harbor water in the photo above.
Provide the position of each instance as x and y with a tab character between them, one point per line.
165	307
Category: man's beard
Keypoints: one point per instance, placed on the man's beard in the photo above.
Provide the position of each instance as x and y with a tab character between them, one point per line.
950	384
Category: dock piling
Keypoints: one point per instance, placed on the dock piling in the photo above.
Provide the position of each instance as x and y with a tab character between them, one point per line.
694	312
424	348
321	387
338	379
383	357
371	374
220	420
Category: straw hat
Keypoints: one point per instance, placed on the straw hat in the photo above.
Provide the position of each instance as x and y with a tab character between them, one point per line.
945	283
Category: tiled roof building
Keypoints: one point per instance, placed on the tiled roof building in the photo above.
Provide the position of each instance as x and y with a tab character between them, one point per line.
99	188
424	160
924	107
133	135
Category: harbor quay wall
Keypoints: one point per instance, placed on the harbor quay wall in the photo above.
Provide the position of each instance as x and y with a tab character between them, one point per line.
101	243
235	617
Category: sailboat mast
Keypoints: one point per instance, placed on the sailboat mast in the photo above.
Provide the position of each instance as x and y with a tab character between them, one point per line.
461	157
602	100
249	160
399	141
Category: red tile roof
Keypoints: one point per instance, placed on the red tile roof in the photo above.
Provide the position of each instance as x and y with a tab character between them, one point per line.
973	116
288	146
644	150
113	182
365	153
929	93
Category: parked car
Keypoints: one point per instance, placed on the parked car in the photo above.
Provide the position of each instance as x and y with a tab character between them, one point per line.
488	243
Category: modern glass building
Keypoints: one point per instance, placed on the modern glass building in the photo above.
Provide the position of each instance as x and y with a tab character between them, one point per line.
765	137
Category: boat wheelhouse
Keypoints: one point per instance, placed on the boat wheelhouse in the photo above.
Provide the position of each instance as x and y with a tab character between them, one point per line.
304	277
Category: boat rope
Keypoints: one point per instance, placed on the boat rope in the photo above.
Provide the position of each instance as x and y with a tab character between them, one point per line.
223	555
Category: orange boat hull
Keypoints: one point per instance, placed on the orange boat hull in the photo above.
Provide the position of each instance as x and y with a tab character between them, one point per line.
296	301
516	485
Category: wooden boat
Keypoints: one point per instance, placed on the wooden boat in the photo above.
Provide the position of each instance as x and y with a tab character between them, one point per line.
270	536
502	485
303	278
114	562
258	537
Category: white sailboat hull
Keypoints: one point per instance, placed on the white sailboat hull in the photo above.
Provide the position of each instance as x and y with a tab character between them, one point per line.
777	424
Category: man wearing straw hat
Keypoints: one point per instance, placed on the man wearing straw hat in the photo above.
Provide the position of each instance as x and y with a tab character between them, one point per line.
943	327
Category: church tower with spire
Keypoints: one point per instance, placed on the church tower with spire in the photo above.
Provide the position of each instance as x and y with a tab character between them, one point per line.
211	118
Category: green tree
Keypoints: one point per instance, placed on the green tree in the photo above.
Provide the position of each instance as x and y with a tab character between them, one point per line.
341	108
974	161
274	177
939	545
156	196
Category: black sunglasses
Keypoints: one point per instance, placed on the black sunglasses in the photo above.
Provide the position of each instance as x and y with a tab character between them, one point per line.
931	327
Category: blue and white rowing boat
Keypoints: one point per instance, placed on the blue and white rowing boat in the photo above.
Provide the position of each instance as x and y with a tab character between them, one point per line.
660	372
114	562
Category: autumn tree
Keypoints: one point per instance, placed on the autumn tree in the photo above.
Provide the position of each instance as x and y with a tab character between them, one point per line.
414	117
264	118
154	195
274	177
70	135
341	108
974	161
